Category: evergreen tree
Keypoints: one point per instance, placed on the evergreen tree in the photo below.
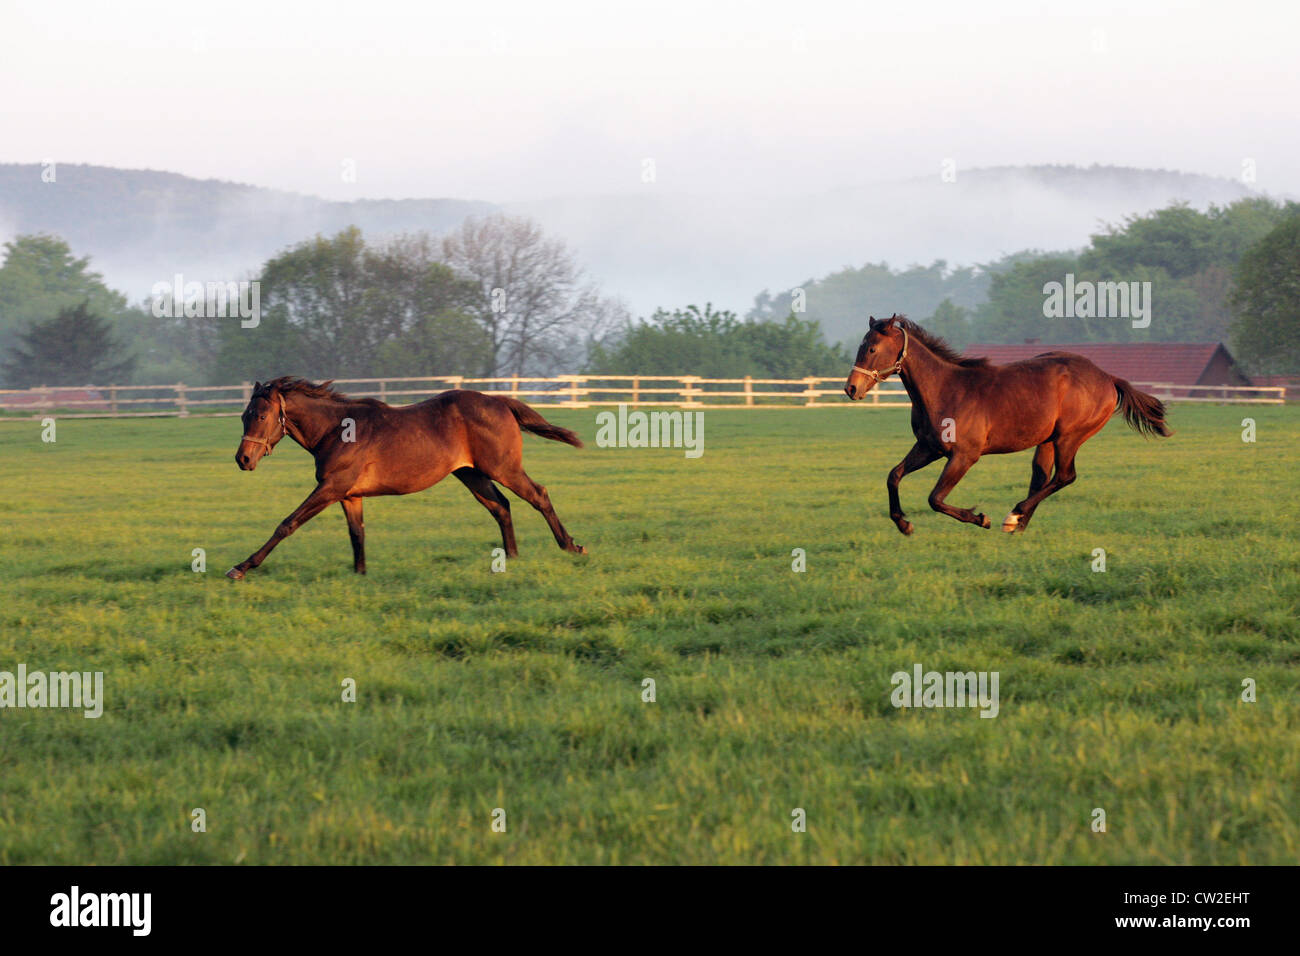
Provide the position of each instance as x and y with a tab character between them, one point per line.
76	347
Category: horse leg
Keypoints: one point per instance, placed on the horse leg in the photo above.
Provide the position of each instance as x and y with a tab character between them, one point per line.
357	532
917	458
481	487
517	480
1066	449
1044	458
316	502
957	466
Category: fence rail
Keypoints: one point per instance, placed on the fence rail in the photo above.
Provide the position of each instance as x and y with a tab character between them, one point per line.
560	391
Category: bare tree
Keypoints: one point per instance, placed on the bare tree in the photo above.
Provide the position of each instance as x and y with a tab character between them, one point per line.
536	305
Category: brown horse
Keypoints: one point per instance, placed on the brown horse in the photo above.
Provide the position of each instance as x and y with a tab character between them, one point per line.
364	447
963	408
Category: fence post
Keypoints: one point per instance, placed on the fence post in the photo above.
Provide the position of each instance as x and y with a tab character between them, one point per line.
180	400
248	391
573	389
383	390
456	380
749	390
636	391
112	398
514	386
809	392
688	390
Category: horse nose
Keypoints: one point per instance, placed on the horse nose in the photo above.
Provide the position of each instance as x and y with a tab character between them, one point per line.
241	459
849	390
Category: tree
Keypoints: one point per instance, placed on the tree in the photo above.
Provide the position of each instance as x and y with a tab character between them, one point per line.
1184	241
950	322
841	301
338	307
792	348
440	343
175	348
1209	291
1014	310
40	277
534	302
1266	301
76	347
422	311
1178	239
687	341
716	344
1186	254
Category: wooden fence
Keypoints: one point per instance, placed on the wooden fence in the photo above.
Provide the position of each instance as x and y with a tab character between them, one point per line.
561	391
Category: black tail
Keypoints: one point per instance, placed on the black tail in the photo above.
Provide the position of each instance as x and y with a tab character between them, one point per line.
530	421
1144	413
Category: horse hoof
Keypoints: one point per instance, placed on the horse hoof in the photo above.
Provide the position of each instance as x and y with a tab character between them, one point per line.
1011	523
905	527
983	521
579	549
234	574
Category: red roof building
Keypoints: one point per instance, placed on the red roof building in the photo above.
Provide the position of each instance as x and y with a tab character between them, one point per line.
1149	363
79	398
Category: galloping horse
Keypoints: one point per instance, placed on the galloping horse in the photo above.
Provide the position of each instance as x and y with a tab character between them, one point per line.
963	408
364	447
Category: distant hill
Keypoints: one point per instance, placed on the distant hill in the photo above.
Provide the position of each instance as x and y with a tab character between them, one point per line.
141	226
652	248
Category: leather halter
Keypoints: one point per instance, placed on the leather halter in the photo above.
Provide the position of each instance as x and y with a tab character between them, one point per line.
878	377
284	430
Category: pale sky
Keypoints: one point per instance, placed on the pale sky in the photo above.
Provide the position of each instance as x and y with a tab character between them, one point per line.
508	101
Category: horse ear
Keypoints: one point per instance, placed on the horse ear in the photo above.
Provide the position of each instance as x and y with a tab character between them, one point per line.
889	322
871	322
256	386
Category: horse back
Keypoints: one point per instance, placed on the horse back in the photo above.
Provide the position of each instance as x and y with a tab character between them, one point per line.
1008	408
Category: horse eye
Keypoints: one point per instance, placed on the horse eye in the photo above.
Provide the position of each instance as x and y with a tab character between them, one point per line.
872	349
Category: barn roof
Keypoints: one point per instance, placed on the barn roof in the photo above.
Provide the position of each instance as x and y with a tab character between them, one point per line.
1175	363
56	396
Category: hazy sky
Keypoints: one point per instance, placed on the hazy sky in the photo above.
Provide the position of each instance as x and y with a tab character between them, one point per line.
527	100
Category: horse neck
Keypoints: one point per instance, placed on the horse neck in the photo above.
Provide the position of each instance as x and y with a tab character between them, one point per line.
923	374
308	419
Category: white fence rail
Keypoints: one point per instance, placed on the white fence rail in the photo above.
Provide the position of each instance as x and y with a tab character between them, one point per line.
561	391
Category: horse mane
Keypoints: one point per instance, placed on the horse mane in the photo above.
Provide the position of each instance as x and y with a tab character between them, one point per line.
937	345
290	385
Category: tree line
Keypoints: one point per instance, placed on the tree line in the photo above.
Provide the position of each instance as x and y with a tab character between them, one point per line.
1228	274
498	297
493	297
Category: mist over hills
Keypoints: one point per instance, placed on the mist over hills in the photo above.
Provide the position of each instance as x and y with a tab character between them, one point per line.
660	249
653	248
142	226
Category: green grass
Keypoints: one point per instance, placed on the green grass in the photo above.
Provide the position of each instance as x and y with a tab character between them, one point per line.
522	690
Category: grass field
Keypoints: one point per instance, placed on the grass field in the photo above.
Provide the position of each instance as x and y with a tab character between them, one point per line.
523	690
